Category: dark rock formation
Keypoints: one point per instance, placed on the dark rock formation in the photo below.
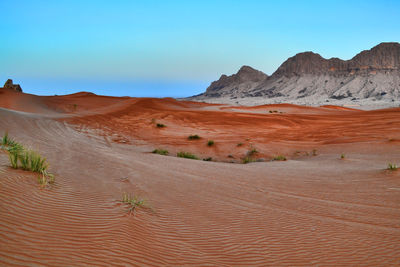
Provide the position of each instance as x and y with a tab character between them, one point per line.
9	85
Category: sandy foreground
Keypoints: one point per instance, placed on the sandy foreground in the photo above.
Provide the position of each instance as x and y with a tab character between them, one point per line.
312	209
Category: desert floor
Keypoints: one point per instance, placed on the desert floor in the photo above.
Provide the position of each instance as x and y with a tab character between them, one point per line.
315	208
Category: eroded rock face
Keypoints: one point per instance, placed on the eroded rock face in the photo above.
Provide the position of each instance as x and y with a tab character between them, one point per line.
385	56
245	79
10	85
373	73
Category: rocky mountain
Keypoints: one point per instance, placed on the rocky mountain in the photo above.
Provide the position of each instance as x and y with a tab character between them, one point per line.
245	79
372	73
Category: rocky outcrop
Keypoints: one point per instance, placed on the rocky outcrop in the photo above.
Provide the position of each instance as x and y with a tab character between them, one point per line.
372	73
10	85
244	80
385	56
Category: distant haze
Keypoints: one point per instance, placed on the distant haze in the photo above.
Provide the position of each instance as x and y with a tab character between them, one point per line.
175	48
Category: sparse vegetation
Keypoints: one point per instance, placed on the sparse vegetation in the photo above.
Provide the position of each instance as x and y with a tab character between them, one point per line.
28	160
247	159
240	144
314	152
392	167
279	158
210	143
161	152
160	125
208	159
249	155
194	137
252	152
13	154
186	155
133	202
342	156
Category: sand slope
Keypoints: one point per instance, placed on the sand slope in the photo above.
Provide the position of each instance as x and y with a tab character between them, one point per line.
309	210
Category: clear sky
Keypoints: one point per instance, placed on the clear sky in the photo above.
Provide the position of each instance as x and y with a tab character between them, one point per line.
172	47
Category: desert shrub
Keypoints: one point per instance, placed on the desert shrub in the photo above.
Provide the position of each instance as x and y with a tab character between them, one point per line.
279	158
249	155
342	156
37	162
208	159
314	152
29	160
160	125
14	153
252	152
239	144
210	143
194	137
161	152
247	159
186	155
24	160
132	201
392	167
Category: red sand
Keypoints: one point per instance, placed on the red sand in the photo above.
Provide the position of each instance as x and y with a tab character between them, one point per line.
308	210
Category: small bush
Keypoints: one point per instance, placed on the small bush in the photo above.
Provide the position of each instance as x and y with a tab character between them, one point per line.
37	163
132	201
314	152
194	137
29	160
240	144
392	167
14	153
210	143
208	159
186	155
342	156
161	152
160	125
247	159
252	152
279	158
5	140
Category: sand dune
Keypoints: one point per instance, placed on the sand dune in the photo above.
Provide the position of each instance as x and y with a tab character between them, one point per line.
308	210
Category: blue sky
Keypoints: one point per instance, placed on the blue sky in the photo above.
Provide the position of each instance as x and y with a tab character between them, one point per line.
175	48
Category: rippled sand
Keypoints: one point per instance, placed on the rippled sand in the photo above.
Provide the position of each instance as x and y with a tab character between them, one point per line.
308	210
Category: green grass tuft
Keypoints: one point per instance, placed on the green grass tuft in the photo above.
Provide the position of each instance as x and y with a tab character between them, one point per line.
247	159
186	155
194	137
161	152
392	167
279	158
132	201
252	152
28	160
14	153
